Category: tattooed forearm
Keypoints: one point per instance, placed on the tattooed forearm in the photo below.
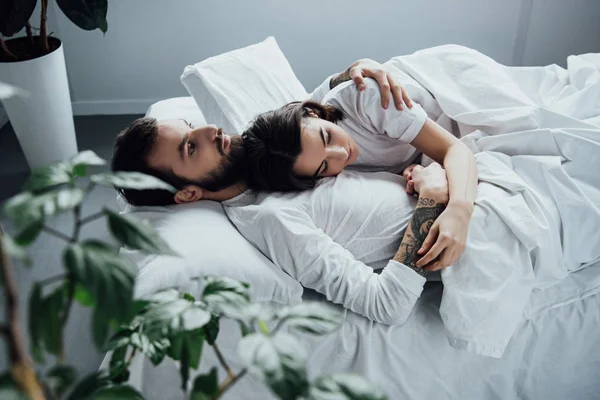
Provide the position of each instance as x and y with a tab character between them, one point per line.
425	214
339	78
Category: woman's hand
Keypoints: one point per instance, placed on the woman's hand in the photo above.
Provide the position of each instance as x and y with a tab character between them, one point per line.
431	179
446	239
367	68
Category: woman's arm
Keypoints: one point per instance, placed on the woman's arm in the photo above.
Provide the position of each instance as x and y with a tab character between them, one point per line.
448	236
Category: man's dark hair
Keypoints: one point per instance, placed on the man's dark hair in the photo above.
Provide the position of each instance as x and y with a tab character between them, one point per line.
131	151
273	143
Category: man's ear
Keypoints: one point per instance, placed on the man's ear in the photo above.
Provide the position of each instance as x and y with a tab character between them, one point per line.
188	194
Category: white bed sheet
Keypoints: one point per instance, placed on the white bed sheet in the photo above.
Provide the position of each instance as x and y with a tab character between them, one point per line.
555	353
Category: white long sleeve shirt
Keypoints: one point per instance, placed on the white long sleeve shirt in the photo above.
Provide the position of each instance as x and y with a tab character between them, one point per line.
330	240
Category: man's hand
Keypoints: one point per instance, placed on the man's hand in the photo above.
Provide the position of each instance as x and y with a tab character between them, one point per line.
367	68
431	179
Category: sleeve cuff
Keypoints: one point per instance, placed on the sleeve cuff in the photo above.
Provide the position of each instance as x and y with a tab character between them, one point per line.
416	125
412	281
319	93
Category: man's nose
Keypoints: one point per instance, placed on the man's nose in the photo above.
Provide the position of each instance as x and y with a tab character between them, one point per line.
207	133
337	153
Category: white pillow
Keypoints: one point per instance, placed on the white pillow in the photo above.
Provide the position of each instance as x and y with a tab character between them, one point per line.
234	87
207	242
209	245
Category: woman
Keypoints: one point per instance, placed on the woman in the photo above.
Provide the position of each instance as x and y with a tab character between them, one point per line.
291	148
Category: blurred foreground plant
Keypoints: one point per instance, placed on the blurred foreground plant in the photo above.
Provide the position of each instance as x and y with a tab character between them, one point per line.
169	324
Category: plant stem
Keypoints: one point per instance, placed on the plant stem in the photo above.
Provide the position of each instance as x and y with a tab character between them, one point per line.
229	382
58	234
131	356
77	227
230	374
64	319
92	217
28	30
43	28
52	279
20	362
5	49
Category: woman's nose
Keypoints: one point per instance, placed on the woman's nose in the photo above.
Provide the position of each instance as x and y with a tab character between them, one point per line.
337	153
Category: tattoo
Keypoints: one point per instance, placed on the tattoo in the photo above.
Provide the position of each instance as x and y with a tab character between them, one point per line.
339	78
425	214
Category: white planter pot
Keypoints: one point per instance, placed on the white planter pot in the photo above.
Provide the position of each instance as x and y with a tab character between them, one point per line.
43	120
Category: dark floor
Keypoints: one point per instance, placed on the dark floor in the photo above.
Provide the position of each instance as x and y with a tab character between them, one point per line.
95	133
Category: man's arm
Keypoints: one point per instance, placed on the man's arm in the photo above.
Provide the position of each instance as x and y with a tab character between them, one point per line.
366	68
427	211
432	185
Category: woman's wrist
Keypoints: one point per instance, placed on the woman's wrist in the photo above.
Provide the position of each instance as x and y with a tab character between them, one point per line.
463	205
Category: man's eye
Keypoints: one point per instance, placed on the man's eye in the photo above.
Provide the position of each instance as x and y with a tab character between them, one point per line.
190	125
191	148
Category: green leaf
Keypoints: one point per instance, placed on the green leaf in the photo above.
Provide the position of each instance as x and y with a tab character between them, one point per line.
86	14
315	318
29	233
137	234
118	366
173	316
81	162
14	16
82	296
244	329
279	361
225	295
187	344
189	297
87	157
206	387
344	387
107	277
120	392
35	324
90	384
44	178
211	330
60	378
45	314
9	389
100	328
155	350
13	249
27	208
131	180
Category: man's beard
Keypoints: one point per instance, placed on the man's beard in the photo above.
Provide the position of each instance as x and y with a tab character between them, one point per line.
232	168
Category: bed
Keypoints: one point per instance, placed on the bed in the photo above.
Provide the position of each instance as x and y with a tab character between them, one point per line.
555	353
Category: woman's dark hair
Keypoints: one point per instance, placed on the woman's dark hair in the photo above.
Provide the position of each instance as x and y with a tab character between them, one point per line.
273	143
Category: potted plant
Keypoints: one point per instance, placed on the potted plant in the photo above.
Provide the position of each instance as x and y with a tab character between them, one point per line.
42	121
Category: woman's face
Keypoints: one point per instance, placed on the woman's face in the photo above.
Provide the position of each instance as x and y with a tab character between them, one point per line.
326	149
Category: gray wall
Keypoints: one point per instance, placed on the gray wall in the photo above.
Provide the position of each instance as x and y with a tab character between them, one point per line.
149	42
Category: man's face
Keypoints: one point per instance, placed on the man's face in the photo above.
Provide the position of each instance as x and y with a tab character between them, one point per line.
204	156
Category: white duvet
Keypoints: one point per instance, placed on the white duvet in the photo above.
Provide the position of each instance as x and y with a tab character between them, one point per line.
536	132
